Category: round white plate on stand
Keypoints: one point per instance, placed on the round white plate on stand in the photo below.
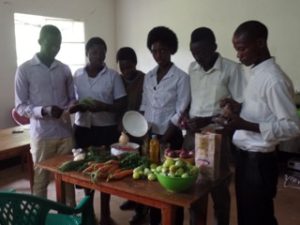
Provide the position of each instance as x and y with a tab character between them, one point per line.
135	123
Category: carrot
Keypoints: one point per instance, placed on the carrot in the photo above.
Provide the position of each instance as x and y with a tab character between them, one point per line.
112	161
89	169
99	165
103	171
117	170
92	167
119	175
113	169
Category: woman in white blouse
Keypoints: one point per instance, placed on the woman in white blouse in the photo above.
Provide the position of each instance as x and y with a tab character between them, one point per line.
166	95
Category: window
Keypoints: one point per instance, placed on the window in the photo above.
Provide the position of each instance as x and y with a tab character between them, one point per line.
27	29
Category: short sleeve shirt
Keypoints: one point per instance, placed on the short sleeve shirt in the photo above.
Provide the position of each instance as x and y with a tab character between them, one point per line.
106	87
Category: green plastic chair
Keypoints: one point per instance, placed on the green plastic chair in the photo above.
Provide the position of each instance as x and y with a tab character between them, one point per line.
26	209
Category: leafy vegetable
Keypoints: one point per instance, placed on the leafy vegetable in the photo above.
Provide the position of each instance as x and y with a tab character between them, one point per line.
132	160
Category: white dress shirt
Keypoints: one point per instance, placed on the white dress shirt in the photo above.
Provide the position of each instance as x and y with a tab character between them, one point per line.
164	102
268	102
37	86
223	80
106	87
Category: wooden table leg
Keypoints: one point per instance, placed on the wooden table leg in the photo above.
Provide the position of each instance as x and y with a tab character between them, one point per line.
168	215
60	190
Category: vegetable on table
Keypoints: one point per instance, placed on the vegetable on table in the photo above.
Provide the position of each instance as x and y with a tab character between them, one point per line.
71	165
119	174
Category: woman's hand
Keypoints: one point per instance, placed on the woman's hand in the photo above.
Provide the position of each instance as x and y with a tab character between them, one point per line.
78	108
98	106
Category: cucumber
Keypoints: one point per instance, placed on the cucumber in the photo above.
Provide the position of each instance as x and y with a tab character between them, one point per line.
71	165
87	101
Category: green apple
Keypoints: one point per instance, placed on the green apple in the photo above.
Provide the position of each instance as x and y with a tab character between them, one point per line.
158	169
180	163
151	177
168	162
179	172
185	175
136	176
173	168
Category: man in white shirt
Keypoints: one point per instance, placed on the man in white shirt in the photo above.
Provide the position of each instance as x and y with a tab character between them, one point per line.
44	89
212	78
267	116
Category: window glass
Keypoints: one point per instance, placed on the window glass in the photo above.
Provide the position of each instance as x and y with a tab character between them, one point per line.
27	29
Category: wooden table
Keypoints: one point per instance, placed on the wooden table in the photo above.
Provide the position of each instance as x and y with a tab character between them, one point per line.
15	141
145	192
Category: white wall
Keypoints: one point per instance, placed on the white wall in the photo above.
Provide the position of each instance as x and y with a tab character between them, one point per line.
99	18
127	22
136	18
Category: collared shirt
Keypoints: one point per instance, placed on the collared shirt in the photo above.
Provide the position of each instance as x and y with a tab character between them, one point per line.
37	86
268	102
164	102
223	80
106	87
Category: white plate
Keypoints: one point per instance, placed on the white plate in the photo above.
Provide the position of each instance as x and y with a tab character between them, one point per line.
135	123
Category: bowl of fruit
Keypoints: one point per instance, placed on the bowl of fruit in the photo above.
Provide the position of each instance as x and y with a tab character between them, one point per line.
185	155
176	175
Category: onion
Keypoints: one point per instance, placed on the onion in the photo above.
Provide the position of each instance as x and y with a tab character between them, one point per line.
123	139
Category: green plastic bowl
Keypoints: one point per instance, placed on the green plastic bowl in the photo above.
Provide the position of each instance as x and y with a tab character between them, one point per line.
176	184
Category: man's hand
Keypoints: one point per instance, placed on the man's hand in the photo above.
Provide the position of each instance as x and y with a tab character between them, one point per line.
195	124
166	137
52	111
230	106
56	112
235	122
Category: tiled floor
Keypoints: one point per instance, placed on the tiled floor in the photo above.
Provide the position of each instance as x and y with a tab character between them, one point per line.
287	202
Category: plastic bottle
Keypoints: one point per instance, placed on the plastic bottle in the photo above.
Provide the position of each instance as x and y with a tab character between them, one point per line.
154	149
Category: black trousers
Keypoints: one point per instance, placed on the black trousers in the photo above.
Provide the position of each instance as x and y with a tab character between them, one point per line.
95	136
256	185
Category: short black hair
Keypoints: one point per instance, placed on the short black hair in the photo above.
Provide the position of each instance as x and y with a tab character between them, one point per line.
126	53
203	34
49	29
252	29
95	41
163	35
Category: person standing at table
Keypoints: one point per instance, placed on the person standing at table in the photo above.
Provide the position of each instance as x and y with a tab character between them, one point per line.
96	124
266	117
166	94
212	78
133	80
43	90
